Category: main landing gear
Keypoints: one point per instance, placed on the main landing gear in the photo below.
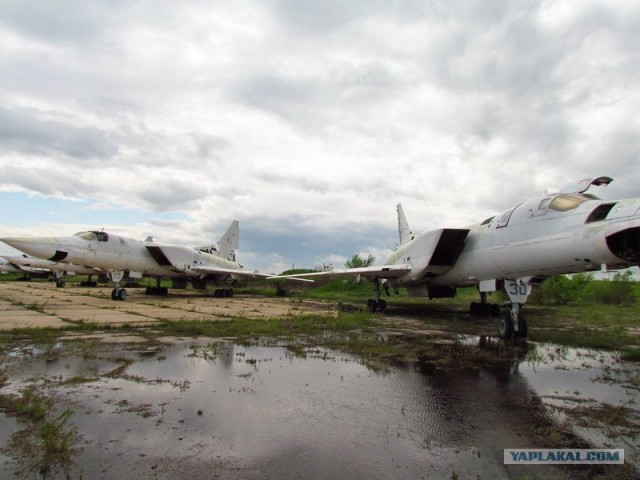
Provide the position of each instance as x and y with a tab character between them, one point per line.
223	293
483	308
512	323
157	290
376	304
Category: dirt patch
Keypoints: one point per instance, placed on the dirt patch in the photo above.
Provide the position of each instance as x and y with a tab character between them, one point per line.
39	305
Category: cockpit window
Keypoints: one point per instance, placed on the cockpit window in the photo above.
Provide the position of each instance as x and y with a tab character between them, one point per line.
92	236
544	203
86	235
568	201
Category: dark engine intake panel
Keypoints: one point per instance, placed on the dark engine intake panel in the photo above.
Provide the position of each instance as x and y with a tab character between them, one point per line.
625	244
59	256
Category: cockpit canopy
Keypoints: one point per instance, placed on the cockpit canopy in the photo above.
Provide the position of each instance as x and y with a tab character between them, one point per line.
93	236
564	202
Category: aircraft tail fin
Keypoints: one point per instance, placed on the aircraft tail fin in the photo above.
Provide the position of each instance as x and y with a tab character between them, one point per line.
403	226
230	241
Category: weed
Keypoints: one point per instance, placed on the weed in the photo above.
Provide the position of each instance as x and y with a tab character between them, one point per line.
46	445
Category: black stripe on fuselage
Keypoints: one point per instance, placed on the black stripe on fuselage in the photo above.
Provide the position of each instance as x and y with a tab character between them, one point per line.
159	256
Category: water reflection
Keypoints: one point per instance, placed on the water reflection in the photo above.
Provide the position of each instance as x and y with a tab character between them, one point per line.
192	409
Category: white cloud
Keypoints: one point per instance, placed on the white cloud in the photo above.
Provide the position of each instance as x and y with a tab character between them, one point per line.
312	120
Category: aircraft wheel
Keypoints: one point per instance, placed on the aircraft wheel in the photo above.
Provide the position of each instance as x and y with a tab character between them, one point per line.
122	294
505	326
522	327
495	310
473	309
164	291
382	305
229	293
114	294
60	283
371	305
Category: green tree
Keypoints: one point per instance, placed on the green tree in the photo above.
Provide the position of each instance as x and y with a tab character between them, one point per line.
357	261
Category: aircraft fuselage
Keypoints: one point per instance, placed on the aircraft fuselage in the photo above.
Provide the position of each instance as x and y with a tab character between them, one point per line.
111	252
551	235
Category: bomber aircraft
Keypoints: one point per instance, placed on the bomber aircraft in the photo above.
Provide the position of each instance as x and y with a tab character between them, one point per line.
566	232
121	257
29	265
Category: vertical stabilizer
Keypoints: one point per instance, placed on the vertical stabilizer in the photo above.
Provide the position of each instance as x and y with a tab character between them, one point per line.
230	241
403	226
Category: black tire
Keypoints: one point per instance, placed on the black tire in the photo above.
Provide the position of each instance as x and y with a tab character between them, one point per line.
382	305
114	294
372	305
505	326
122	294
523	329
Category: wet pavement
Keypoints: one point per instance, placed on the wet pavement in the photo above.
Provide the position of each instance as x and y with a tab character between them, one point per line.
208	409
164	407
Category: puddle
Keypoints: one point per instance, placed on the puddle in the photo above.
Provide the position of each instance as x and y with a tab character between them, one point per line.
592	392
205	410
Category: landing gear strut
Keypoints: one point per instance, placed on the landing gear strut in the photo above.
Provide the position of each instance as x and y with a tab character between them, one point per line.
118	293
513	323
375	304
59	276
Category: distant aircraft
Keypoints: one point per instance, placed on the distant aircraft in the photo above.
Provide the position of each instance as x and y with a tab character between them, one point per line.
567	232
121	257
7	267
31	265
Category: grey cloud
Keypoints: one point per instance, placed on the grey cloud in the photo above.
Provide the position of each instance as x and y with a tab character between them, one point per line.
171	192
62	21
45	181
22	131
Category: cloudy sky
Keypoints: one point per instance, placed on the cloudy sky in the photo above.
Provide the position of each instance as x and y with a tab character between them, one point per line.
307	121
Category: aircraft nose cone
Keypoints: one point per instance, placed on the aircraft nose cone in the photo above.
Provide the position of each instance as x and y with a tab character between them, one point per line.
37	247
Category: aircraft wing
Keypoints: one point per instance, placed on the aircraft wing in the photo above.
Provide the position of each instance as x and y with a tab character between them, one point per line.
383	271
211	270
182	261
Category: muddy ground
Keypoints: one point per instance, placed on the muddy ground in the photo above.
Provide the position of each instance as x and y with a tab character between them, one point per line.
161	406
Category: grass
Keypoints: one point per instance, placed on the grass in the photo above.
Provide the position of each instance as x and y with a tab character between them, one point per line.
578	324
241	327
46	444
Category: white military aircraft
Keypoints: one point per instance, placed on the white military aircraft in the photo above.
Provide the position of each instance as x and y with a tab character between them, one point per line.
7	267
31	265
567	232
121	257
